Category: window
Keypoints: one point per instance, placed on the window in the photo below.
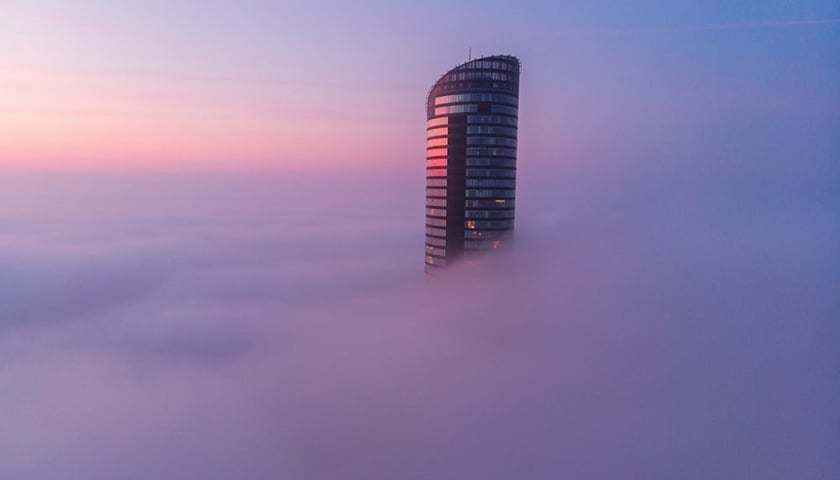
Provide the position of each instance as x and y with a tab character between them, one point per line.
437	122
495	203
438	242
437	132
481	119
435	261
491	162
437	142
504	109
436	222
507	142
482	224
487	235
491	130
435	192
489	172
436	182
477	97
437	152
488	214
491	152
439	232
490	193
436	212
455	109
435	172
490	182
436	202
436	162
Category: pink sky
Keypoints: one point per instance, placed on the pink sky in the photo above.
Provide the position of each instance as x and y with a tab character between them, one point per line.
190	85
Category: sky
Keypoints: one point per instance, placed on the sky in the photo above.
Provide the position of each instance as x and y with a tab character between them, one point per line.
211	244
258	85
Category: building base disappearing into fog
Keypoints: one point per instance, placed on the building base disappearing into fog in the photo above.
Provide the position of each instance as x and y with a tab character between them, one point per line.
472	114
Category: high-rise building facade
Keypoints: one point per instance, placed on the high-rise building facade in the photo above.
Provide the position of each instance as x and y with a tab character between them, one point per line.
471	131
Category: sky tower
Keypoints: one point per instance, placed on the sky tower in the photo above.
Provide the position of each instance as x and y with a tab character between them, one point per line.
471	131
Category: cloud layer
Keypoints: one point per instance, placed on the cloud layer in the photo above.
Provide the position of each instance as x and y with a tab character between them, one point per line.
216	328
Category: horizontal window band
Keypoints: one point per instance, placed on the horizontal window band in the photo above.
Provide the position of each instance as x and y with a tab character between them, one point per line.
489	224
435	241
437	142
488	204
455	109
491	162
487	234
489	214
469	231
489	151
492	130
496	193
476	97
492	120
490	141
489	183
489	173
437	131
431	260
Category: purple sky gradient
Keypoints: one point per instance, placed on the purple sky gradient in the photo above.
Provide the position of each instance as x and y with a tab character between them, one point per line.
189	85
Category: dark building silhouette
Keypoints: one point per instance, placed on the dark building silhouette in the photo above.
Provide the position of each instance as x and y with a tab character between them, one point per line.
472	113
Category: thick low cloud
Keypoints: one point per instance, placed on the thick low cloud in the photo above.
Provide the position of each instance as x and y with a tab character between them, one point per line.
216	328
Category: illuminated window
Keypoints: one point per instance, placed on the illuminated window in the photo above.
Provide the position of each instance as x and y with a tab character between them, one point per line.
437	132
456	109
436	122
437	142
476	97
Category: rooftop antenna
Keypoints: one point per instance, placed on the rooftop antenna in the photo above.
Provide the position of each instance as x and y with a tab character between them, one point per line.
470	59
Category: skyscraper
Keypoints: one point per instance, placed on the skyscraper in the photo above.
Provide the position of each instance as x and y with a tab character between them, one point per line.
471	132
